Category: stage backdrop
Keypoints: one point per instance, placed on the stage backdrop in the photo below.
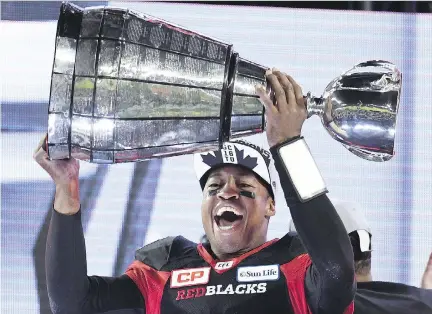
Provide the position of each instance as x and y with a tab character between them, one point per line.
128	205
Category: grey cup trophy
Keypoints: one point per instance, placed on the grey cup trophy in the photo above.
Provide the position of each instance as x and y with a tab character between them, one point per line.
127	87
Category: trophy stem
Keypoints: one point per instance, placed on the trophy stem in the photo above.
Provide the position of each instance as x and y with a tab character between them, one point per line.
314	105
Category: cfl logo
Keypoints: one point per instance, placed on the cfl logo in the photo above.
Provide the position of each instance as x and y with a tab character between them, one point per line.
224	265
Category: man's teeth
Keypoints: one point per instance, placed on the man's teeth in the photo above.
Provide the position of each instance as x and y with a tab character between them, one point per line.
225	228
227	209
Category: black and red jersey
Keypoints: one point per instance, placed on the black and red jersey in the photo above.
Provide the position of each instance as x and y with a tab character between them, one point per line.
176	275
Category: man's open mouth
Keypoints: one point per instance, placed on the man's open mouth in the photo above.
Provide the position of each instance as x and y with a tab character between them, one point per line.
227	218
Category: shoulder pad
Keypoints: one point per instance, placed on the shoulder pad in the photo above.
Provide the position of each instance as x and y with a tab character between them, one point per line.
289	246
163	252
296	247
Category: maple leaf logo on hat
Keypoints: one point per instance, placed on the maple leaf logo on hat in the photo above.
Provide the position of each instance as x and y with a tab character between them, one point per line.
247	161
262	151
211	160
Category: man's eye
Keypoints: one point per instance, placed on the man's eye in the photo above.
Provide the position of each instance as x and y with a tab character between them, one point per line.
213	185
245	185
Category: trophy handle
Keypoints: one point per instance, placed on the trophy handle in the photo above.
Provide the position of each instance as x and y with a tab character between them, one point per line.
314	105
231	63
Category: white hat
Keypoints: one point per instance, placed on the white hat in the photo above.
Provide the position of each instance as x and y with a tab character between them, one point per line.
240	153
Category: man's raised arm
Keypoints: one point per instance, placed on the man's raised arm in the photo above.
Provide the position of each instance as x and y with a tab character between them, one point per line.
330	283
70	290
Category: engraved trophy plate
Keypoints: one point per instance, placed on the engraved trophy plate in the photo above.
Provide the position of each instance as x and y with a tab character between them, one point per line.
247	112
127	86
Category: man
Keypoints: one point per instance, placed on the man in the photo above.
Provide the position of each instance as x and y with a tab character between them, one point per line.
377	297
238	271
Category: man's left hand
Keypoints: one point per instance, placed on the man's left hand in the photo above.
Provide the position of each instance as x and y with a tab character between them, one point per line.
286	115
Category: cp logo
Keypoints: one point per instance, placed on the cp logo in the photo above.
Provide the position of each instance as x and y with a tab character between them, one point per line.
190	277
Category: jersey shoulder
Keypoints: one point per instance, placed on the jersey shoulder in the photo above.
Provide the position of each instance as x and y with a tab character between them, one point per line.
168	253
283	250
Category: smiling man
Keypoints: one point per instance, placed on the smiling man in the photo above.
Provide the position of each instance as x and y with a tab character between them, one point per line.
239	270
232	223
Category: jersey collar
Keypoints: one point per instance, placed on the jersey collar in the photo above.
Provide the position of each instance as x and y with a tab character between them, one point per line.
232	262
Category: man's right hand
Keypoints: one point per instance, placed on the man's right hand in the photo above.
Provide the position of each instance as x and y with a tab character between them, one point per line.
65	174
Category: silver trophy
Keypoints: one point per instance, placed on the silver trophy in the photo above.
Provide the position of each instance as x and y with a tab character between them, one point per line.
127	86
359	109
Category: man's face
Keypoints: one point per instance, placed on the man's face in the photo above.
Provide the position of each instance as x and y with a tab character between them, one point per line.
234	222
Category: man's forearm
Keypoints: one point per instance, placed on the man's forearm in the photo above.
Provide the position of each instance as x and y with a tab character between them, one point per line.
65	260
69	288
67	199
324	237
